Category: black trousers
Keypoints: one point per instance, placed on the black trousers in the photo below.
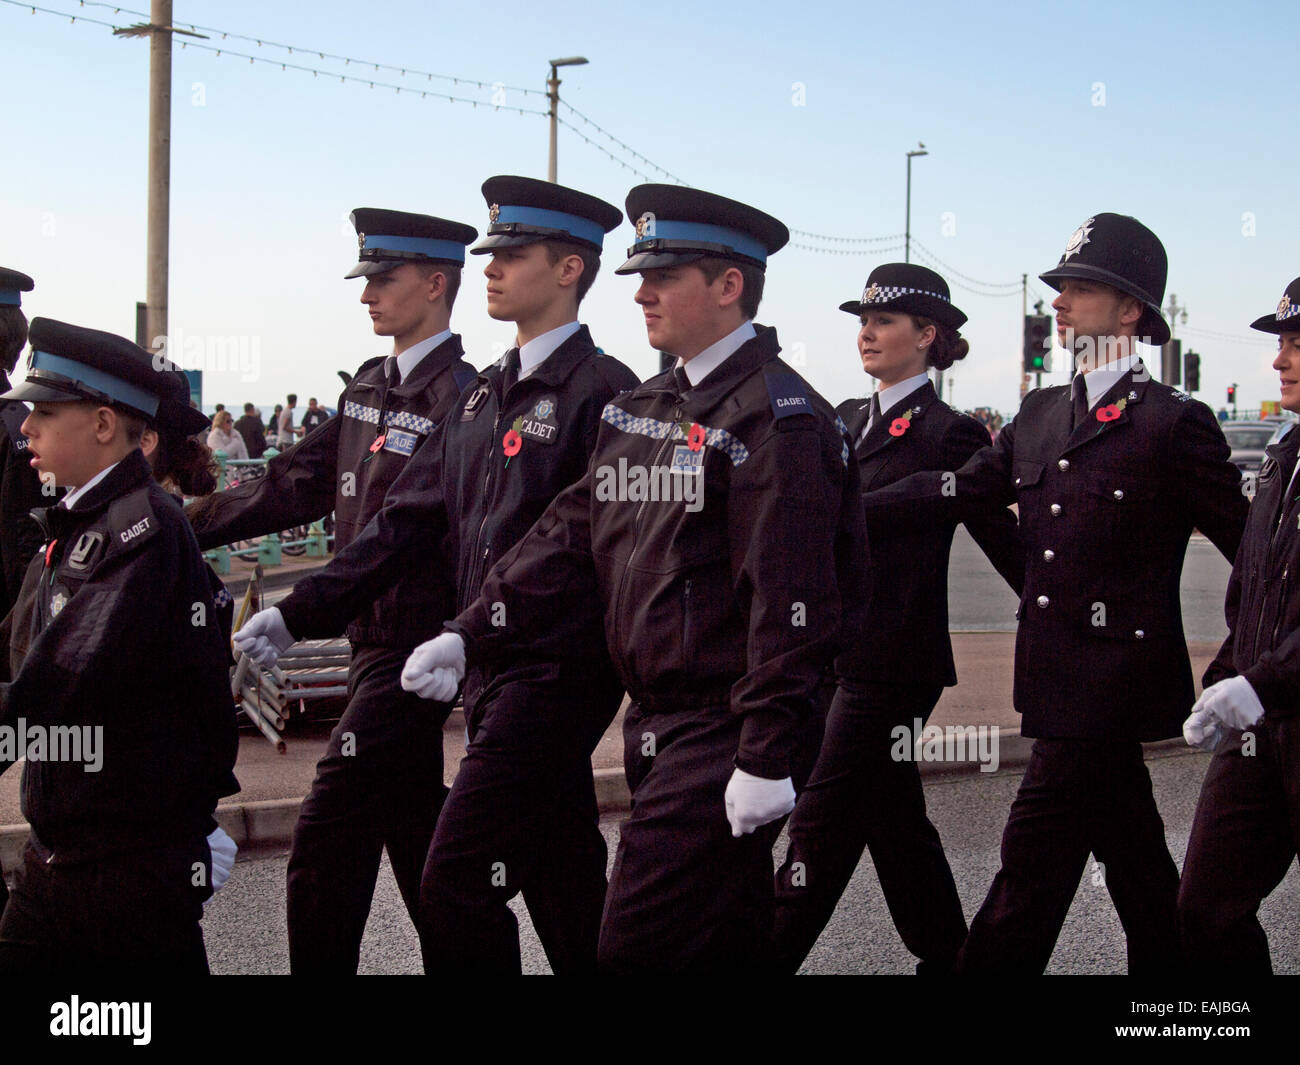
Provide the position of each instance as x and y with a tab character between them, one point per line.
857	798
1078	797
521	817
379	784
684	895
133	914
1244	838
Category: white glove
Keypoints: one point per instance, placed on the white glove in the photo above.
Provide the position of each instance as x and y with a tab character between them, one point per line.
1230	703
223	850
435	669
755	801
264	637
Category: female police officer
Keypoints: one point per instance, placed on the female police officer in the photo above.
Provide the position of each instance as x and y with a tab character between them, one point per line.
858	796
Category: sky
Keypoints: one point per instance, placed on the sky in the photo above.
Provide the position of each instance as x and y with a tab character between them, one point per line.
1035	117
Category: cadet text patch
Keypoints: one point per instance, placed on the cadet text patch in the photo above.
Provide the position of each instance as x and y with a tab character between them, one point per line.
788	394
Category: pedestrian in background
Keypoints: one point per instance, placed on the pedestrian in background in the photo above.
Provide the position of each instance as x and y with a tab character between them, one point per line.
253	432
223	437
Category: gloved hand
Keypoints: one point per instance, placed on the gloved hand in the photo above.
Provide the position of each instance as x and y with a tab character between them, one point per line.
435	669
264	637
755	801
223	850
1230	703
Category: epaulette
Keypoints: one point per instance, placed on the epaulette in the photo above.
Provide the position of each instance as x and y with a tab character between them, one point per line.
131	521
788	394
12	416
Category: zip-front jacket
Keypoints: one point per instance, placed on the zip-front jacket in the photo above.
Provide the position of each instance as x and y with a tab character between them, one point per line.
716	535
462	489
1106	510
906	641
338	466
115	630
1263	609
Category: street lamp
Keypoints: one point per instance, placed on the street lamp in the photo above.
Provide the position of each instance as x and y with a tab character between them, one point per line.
907	239
553	94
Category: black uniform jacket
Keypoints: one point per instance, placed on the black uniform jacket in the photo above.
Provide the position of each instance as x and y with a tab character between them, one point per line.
1105	511
333	467
906	640
462	495
717	533
115	628
1263	609
20	493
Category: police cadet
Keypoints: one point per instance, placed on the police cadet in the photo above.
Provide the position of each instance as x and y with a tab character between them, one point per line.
379	783
1111	475
716	529
895	669
20	487
119	682
522	811
1247	828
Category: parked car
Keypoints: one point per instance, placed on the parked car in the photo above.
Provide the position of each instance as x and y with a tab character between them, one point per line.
1247	439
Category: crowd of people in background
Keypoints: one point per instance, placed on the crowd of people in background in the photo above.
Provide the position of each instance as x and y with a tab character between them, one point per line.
249	437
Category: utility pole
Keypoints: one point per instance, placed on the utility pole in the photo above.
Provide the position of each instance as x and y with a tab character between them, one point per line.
1171	353
159	30
553	95
1024	313
907	228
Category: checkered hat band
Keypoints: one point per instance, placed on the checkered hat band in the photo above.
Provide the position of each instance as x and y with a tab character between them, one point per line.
1290	312
718	439
885	293
399	419
844	445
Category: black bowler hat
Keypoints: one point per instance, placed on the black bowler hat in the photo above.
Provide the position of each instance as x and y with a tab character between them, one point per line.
1287	317
12	285
1121	252
174	411
910	289
389	238
69	363
676	224
524	210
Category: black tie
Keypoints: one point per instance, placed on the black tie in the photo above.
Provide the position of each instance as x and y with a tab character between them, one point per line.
680	379
1078	400
511	370
874	415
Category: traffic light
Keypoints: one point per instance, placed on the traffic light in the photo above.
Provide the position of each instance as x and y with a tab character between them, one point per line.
1191	372
1038	348
1232	395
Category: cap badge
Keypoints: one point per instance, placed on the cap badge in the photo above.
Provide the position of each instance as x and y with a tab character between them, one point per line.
361	241
494	212
645	226
57	604
1078	239
1283	306
870	293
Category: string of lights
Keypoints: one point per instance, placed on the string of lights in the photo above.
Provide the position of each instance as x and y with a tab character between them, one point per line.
957	273
626	147
1227	338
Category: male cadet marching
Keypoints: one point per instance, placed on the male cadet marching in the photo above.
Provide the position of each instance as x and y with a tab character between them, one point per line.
1247	828
115	666
379	783
716	529
1111	476
522	812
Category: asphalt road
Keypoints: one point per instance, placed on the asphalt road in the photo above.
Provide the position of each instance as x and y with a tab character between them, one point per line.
245	925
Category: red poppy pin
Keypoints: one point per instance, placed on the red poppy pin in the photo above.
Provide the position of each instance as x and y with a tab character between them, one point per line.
512	441
695	438
378	442
903	422
1111	411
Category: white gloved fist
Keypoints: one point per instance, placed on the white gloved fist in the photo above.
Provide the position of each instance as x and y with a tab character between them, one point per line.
264	637
755	801
1202	729
223	850
435	669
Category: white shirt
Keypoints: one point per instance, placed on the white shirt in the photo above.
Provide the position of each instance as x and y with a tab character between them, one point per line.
414	355
708	360
76	493
895	394
1099	381
539	349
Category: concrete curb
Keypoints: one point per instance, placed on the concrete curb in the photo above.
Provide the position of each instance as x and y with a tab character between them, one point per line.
269	824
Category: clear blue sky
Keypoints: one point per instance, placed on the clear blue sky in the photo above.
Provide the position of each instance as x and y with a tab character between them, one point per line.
1035	116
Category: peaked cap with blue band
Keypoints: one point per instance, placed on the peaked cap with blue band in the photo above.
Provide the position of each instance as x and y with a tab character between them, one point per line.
910	289
524	210
70	363
1286	319
12	285
389	238
676	224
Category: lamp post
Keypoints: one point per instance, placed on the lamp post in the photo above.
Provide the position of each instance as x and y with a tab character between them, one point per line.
907	238
553	94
